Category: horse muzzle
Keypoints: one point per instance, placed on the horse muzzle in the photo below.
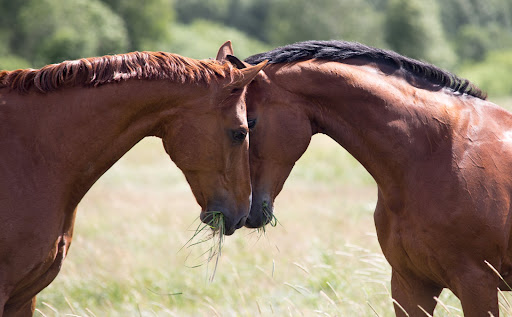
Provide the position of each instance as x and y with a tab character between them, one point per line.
224	221
262	212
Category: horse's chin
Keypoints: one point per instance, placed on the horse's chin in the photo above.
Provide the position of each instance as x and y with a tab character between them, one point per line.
230	230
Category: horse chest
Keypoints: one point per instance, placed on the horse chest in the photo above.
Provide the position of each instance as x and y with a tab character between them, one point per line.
41	246
41	273
410	246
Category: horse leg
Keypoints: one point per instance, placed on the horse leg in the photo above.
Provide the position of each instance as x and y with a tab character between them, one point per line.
478	293
411	293
2	305
25	310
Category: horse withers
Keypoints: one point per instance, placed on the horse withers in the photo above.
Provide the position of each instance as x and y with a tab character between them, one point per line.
440	153
64	125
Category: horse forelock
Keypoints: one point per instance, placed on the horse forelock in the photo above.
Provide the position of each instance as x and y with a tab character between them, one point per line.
97	71
341	50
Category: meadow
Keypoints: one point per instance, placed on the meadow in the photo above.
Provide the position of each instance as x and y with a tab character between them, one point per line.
322	259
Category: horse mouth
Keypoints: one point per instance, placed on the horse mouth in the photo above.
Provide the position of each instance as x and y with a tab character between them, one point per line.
217	221
268	213
213	219
262	217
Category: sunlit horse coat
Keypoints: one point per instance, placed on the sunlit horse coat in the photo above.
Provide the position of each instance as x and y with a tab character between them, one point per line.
441	155
63	126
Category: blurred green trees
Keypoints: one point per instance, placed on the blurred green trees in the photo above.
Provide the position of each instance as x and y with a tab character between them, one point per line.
476	27
50	32
146	22
290	21
454	34
413	28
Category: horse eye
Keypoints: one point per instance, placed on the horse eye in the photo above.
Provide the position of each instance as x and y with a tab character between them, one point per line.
239	135
251	123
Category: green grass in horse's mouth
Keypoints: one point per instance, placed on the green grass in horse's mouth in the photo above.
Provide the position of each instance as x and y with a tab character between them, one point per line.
267	214
215	236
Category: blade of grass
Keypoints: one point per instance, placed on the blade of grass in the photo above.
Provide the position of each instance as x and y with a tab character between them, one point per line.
215	235
497	273
218	222
40	312
268	215
439	302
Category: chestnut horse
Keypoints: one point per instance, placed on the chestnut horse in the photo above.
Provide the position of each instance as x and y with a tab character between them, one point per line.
441	156
64	125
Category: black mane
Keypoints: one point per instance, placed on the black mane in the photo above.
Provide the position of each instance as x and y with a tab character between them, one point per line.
340	50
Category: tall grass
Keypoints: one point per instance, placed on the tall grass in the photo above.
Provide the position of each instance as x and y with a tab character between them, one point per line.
126	258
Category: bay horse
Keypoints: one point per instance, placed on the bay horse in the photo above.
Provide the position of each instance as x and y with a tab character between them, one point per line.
64	125
440	153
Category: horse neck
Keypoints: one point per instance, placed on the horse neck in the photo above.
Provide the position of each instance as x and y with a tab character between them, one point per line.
80	133
383	121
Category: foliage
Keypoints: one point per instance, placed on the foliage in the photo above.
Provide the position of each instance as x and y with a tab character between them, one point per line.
147	22
13	62
8	19
202	39
190	10
36	32
458	13
298	20
413	28
248	16
54	30
280	22
478	26
492	74
474	42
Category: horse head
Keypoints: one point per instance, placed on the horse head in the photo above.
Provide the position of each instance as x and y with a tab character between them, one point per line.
280	132
209	144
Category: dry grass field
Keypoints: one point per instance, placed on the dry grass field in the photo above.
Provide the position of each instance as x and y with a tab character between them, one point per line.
322	259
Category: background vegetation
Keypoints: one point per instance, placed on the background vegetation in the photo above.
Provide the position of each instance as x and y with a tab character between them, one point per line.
323	258
469	37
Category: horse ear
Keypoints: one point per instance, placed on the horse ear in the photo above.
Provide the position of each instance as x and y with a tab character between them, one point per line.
225	50
248	74
237	63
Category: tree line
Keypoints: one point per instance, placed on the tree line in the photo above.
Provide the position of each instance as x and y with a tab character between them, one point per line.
469	36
